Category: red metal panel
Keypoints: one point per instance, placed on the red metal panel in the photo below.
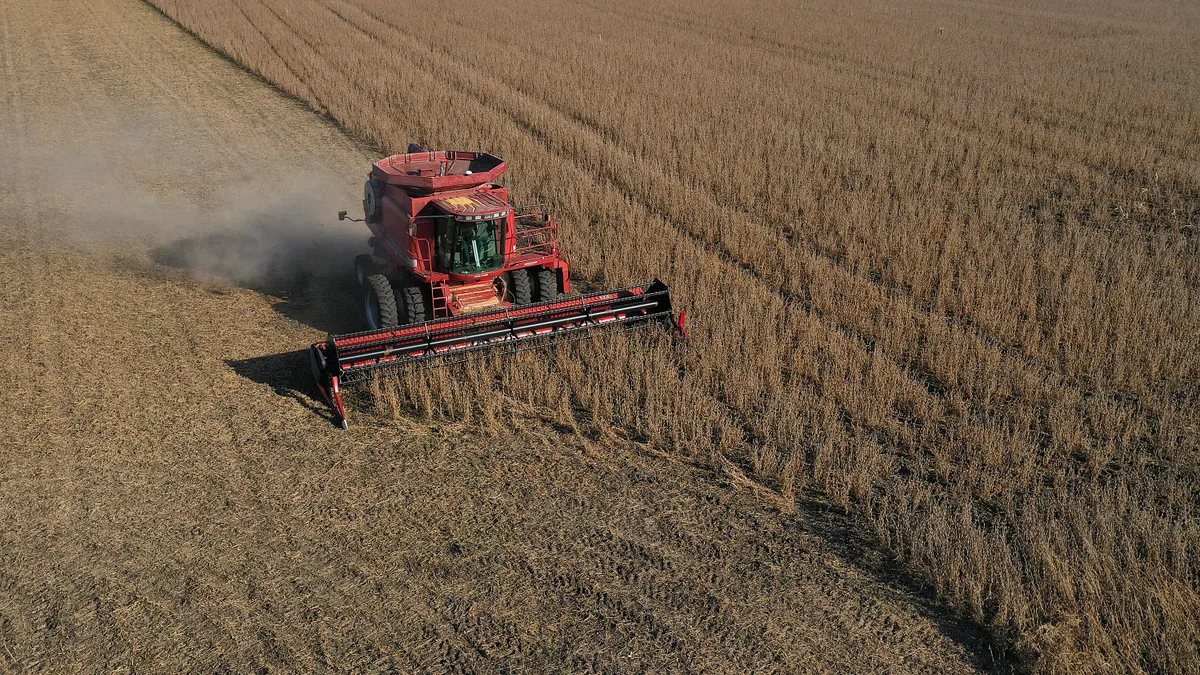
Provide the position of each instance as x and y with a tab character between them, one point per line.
471	321
439	171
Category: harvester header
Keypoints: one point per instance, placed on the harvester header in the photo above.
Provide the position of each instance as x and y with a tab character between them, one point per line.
346	359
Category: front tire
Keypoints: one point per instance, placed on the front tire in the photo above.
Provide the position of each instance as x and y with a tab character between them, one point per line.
547	285
522	287
379	303
411	302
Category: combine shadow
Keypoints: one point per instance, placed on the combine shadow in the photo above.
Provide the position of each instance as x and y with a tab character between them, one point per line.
310	278
859	548
306	272
288	376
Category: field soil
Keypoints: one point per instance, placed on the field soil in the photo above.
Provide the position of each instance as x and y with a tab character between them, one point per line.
940	258
172	497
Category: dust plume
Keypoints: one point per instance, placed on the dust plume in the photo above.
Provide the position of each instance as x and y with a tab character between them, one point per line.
135	187
256	241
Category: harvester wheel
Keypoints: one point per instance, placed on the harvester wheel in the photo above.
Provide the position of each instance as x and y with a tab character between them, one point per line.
547	285
380	303
364	266
522	287
413	305
373	200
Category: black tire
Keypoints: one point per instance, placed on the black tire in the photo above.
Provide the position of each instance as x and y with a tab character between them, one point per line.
373	201
379	303
547	285
522	287
411	304
364	266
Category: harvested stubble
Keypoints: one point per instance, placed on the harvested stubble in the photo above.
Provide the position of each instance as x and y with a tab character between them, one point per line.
942	261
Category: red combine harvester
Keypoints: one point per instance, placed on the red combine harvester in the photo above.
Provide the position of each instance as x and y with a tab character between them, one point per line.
456	270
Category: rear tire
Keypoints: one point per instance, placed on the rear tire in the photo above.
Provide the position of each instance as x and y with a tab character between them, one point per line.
522	287
379	303
364	266
411	303
547	285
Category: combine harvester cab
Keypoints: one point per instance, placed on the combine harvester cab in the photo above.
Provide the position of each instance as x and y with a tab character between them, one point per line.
457	271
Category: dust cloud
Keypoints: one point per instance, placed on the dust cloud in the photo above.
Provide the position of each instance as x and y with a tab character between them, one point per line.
254	238
133	182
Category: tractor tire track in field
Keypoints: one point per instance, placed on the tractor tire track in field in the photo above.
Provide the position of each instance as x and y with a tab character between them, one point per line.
171	497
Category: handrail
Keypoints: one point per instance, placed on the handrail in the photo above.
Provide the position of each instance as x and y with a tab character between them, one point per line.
424	254
542	240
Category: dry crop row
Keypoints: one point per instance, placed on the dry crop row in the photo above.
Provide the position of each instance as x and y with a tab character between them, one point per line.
942	260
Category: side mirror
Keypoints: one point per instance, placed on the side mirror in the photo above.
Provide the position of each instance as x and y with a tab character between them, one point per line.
341	215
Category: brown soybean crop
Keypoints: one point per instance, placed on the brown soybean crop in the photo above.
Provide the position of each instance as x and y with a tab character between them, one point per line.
941	261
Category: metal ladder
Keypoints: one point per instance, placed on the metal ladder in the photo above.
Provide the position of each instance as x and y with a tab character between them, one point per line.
439	301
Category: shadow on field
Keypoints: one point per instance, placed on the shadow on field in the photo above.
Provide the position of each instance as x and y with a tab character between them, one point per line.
857	547
313	281
288	375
